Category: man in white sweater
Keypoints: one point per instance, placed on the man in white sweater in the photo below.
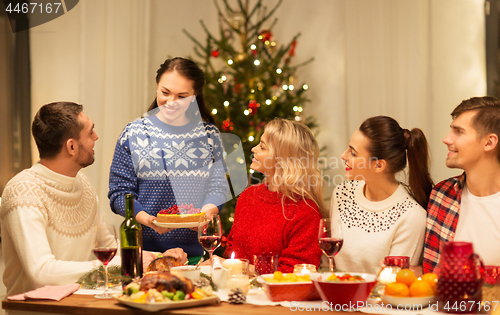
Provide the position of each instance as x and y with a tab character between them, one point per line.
48	211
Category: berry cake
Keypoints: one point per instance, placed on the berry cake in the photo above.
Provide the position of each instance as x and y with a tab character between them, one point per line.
180	214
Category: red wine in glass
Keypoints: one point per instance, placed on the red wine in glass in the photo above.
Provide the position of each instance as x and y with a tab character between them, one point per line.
330	238
105	247
209	233
330	246
104	254
210	243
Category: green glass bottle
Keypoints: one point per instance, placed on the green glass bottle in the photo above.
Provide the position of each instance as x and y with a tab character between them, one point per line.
131	241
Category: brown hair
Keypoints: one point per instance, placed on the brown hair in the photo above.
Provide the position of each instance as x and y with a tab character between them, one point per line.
192	72
53	124
389	142
295	152
487	118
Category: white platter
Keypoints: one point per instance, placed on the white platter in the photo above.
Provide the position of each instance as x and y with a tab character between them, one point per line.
424	301
177	225
154	307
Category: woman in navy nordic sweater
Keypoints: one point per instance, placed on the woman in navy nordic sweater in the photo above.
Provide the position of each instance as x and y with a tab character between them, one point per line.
171	156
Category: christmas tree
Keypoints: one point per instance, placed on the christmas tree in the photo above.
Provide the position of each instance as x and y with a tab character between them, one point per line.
250	79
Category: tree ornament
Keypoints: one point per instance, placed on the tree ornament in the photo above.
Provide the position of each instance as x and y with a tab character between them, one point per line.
291	52
237	88
240	57
265	35
227	125
236	19
252	107
236	296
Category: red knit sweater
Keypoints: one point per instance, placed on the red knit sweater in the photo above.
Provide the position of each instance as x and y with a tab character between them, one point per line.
260	227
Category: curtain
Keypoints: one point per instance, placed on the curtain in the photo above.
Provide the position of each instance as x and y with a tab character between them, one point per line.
414	60
96	55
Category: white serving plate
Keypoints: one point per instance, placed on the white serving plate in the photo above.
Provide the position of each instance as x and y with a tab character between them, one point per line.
158	306
177	225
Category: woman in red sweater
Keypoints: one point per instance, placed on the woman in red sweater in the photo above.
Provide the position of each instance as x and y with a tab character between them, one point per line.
281	215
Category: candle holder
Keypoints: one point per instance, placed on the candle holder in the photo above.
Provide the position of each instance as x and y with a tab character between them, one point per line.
241	282
245	266
304	268
235	266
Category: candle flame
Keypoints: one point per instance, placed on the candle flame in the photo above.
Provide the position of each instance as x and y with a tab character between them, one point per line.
232	255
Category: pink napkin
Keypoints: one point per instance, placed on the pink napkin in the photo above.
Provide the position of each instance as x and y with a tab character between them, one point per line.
48	292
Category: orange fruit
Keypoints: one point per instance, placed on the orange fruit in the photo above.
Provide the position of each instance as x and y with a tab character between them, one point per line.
420	288
405	276
431	278
397	289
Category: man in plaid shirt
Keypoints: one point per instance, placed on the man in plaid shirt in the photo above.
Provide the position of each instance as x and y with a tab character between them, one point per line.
474	196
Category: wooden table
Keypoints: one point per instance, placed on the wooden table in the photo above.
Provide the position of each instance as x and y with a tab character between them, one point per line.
87	304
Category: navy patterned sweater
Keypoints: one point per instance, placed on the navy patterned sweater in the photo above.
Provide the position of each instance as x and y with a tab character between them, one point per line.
164	165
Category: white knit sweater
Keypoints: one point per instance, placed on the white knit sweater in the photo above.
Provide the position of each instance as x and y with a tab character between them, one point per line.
47	222
372	230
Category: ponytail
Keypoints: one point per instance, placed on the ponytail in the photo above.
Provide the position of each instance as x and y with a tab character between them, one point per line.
388	141
420	181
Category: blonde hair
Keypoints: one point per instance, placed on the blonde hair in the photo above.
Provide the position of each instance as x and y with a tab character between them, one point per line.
295	152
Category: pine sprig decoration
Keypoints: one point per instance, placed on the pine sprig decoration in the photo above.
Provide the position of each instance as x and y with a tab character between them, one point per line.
209	278
95	278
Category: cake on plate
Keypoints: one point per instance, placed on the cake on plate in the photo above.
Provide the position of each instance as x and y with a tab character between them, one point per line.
180	214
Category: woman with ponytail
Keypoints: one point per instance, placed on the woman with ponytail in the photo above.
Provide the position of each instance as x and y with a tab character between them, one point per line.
381	216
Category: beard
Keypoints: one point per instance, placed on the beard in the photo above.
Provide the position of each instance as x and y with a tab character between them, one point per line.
84	158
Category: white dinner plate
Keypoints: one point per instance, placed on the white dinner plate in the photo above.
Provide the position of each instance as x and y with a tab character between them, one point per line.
158	306
177	225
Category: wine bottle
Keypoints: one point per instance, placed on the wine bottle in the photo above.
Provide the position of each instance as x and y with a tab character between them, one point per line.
131	241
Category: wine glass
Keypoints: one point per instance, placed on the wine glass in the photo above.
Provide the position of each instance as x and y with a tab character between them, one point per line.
210	234
105	247
330	239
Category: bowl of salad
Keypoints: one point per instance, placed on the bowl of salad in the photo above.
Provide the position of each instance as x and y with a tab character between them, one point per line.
344	288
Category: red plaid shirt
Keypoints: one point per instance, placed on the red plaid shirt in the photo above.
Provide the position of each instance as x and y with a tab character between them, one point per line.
442	218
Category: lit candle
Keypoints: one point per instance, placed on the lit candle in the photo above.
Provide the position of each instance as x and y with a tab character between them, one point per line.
239	282
235	266
304	268
388	275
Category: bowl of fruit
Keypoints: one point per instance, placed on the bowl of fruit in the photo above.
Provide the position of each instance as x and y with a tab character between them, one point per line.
288	287
342	288
408	290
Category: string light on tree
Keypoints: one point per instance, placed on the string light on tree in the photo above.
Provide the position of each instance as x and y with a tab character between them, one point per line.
226	103
214	111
